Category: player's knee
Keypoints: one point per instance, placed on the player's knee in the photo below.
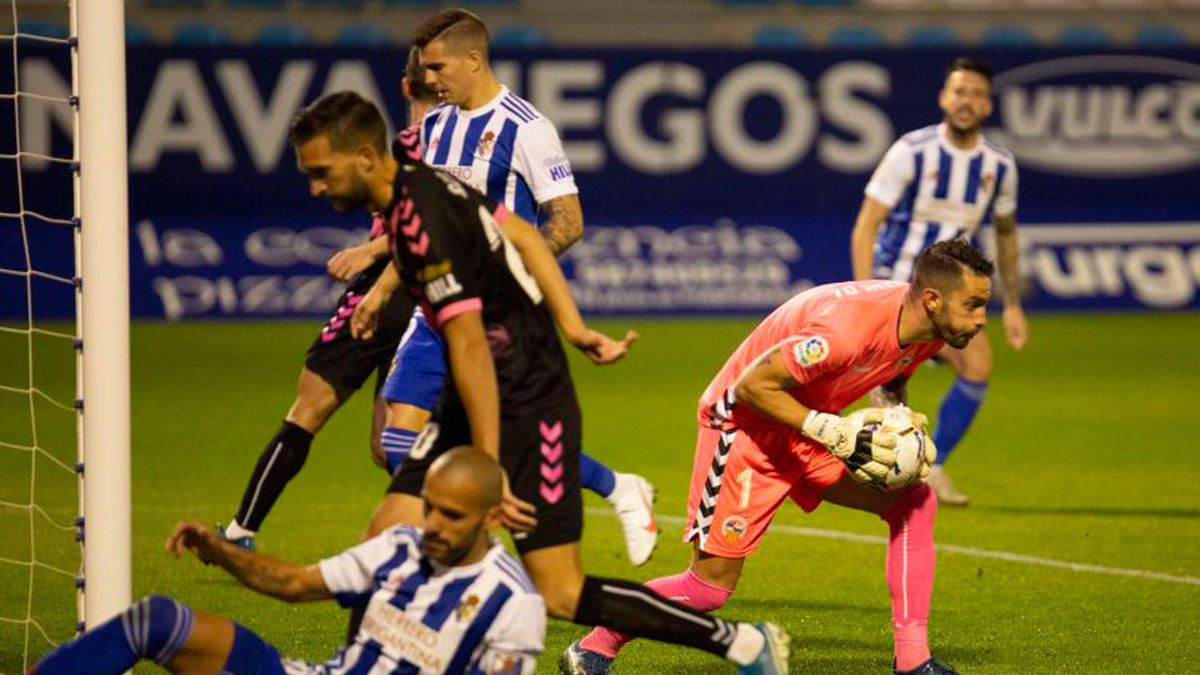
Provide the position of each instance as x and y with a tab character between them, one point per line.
157	626
720	572
377	454
920	498
978	370
562	599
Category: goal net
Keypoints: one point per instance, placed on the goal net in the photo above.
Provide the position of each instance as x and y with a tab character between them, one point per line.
64	410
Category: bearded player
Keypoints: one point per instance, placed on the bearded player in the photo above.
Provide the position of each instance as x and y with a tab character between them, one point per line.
770	430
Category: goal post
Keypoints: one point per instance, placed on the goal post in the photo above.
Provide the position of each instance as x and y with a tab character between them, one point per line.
103	205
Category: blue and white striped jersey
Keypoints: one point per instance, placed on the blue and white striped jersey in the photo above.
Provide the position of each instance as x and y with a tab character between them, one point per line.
505	149
421	617
937	192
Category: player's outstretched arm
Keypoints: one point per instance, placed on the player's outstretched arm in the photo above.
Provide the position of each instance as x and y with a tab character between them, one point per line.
862	240
262	573
1016	329
353	259
366	314
543	266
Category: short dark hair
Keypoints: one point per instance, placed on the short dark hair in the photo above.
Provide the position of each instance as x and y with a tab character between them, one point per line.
970	65
414	76
458	26
349	119
941	266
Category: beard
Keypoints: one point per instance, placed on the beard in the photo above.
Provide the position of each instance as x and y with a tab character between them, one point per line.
356	199
964	129
943	331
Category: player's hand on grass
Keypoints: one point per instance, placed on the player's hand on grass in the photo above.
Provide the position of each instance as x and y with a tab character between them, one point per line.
194	536
350	261
516	514
365	319
869	454
600	348
1016	328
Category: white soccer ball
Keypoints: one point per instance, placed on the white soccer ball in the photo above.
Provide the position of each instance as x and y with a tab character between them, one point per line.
914	451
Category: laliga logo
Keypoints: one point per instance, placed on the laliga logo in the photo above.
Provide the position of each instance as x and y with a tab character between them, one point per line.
1102	116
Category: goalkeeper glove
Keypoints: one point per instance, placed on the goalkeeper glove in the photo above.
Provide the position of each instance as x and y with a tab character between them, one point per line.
868	454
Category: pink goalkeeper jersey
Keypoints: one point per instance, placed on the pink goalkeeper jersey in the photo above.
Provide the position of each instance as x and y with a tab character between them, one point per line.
839	342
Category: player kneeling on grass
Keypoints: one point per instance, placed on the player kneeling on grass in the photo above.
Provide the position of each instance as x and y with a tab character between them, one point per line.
770	430
443	598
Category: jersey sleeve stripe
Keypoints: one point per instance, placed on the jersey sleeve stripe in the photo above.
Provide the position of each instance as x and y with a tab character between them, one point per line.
483	620
524	105
459	307
513	569
518	113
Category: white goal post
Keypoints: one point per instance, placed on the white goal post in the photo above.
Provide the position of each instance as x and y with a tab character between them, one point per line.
103	309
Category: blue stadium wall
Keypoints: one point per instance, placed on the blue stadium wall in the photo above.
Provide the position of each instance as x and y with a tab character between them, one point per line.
713	182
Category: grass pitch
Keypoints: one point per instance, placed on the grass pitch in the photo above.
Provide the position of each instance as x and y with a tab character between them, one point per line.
1084	453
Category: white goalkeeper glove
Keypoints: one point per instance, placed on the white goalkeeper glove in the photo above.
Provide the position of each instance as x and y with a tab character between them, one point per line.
868	454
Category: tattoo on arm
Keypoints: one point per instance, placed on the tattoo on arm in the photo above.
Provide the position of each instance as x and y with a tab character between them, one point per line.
1008	255
564	222
262	573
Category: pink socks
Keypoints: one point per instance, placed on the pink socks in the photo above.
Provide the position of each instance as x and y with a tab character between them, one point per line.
910	563
685	588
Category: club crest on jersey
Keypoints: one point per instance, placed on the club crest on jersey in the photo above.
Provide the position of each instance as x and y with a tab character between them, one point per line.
810	351
904	362
434	143
734	528
485	145
986	183
468	608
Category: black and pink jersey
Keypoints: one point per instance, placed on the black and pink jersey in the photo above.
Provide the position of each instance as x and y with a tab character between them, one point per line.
453	259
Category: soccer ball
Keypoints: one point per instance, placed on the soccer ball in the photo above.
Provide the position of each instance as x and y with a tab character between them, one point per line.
914	451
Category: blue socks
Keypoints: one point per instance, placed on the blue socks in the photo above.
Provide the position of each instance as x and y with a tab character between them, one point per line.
155	628
595	476
954	417
397	443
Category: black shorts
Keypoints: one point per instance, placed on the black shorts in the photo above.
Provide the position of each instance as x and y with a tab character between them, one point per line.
540	453
345	362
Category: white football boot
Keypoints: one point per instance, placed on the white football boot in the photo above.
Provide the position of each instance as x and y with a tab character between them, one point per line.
633	499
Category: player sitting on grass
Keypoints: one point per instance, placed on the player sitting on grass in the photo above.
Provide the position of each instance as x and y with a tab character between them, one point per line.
770	430
444	598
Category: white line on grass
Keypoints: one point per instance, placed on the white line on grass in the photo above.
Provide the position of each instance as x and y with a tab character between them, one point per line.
954	548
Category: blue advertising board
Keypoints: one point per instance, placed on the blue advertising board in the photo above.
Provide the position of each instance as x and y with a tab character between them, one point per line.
713	181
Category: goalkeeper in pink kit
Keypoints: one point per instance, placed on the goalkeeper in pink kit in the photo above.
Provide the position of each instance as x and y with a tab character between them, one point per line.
770	430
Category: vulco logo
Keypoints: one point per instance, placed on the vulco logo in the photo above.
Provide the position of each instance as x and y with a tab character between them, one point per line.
1108	116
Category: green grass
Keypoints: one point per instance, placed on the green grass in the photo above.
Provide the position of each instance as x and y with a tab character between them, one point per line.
1085	452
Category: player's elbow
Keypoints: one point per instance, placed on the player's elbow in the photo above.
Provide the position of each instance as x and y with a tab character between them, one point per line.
748	391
